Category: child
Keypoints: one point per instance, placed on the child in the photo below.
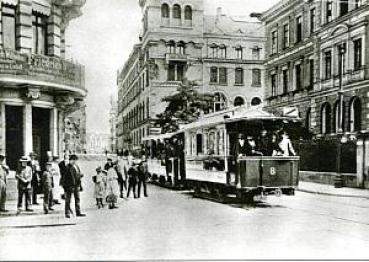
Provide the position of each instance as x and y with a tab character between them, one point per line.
112	187
99	180
47	187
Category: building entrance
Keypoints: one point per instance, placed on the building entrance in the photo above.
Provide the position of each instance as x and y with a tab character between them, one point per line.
41	133
14	135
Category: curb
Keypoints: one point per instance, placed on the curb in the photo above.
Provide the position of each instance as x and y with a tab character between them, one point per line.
331	194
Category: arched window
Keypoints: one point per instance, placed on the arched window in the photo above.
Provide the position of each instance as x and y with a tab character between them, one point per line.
326	115
222	51
176	11
255	101
239	101
171	47
220	102
188	13
355	114
181	48
336	118
165	10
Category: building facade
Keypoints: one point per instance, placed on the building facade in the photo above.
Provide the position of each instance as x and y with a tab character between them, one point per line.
38	87
222	54
316	60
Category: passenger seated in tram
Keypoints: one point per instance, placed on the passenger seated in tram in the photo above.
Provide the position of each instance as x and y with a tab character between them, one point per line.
286	145
251	146
263	143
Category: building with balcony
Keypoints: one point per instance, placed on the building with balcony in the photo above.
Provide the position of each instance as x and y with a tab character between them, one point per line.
317	61
222	54
38	87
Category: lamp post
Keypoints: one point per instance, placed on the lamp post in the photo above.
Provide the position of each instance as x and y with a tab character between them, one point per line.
340	134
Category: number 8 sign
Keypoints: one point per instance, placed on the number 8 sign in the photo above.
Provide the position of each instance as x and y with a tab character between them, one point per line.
273	172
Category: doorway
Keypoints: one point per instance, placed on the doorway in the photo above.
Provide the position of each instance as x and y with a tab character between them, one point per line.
13	135
41	133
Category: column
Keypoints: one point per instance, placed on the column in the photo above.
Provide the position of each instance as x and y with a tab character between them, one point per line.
27	129
2	129
53	32
61	132
54	132
24	26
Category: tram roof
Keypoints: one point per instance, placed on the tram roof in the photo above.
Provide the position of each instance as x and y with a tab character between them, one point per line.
235	115
159	137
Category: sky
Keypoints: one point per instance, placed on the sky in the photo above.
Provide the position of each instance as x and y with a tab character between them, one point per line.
103	37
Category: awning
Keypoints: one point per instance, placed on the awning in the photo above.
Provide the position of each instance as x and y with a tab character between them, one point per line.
10	2
41	6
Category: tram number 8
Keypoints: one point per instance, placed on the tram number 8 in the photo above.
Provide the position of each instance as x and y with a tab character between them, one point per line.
273	171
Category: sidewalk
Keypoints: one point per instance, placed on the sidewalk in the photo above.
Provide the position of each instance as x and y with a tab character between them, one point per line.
330	190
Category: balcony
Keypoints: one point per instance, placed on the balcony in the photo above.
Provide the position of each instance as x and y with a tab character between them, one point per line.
50	73
176	58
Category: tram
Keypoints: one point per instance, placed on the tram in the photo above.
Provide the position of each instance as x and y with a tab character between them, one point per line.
201	158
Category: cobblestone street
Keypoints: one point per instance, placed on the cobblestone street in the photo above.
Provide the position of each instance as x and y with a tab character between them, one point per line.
172	224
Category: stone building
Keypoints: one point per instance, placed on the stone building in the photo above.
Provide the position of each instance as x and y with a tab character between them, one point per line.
222	54
316	54
38	87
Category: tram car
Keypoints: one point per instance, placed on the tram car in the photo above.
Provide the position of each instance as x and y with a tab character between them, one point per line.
201	157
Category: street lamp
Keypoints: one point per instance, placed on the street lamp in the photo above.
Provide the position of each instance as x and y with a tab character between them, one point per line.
341	138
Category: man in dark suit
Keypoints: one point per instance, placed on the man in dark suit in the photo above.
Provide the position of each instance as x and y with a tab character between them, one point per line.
240	149
72	186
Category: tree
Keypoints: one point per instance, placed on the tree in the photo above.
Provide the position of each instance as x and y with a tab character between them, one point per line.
185	106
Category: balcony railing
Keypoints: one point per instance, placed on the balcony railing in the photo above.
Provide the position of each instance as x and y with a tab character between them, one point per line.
176	57
41	70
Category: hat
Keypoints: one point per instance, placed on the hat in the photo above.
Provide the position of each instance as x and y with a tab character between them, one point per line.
49	163
24	159
98	169
241	136
32	154
73	157
109	159
104	171
55	157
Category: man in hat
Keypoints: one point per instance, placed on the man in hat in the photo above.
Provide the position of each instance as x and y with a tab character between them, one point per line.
72	186
4	172
35	176
240	149
47	186
24	177
63	169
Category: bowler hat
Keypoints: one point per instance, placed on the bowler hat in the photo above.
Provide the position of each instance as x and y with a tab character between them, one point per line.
73	157
98	169
24	159
49	163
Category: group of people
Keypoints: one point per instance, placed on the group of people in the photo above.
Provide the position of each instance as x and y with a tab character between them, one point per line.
49	181
266	145
128	173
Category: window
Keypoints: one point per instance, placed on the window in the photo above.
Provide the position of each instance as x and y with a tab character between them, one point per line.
171	47
256	77
188	13
357	54
239	54
343	7
255	101
274	42
355	115
176	11
8	26
147	107
199	144
311	73
39	25
312	20
273	84
328	15
165	11
175	72
286	35
256	53
239	76
298	29
308	119
147	78
220	102
239	101
213	51
358	3
181	48
298	76
223	75
222	52
180	72
171	72
326	119
328	64
213	75
285	80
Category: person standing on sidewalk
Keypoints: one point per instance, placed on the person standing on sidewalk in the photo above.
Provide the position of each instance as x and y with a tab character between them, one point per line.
72	186
142	175
47	187
35	177
55	170
63	167
4	172
24	177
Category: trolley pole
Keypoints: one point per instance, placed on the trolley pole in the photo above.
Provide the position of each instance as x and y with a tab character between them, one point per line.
340	134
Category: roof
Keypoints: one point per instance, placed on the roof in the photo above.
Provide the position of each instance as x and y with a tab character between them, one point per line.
227	25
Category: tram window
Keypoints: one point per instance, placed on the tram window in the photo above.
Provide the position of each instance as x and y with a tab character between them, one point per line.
212	143
199	144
